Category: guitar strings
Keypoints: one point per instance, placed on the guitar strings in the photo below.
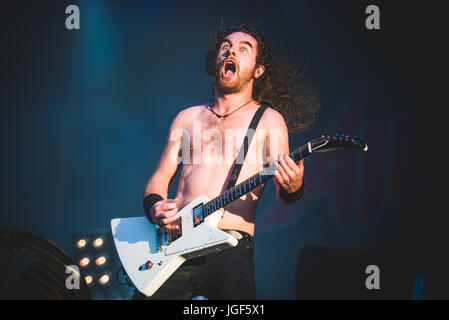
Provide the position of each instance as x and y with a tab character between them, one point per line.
247	181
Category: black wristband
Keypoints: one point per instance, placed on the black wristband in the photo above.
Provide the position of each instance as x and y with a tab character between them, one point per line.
291	197
148	202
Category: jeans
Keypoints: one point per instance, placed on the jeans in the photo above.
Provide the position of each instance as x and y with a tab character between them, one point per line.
225	275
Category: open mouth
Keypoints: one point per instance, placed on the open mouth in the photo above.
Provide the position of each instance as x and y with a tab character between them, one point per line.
229	69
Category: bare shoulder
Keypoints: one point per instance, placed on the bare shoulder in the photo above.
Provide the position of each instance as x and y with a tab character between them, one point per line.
187	115
191	111
273	119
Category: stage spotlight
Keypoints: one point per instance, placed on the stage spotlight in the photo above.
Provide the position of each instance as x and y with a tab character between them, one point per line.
97	242
102	270
104	279
84	262
100	260
81	243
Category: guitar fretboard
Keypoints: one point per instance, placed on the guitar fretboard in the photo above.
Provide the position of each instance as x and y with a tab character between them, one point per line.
249	184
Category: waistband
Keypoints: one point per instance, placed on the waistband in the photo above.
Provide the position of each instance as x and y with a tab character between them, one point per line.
245	239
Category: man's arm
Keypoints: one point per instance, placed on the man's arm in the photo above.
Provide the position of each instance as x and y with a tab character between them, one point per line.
288	175
165	211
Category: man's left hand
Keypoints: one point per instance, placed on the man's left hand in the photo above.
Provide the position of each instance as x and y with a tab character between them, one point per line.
288	174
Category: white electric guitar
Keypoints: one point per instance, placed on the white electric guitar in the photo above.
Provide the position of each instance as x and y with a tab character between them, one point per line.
151	254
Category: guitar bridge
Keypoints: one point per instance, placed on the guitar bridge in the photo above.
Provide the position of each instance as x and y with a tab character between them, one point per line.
176	231
166	237
160	237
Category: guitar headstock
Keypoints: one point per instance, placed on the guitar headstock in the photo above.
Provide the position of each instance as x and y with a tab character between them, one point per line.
336	141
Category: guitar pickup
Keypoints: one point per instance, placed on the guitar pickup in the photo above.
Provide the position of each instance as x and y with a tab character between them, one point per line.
198	215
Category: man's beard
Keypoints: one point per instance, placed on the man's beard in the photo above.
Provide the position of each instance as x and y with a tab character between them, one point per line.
234	86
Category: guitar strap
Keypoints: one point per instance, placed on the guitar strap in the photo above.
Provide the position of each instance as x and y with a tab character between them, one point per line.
244	149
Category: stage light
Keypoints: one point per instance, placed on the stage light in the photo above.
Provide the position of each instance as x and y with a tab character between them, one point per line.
97	242
84	262
81	243
34	268
100	260
100	265
104	279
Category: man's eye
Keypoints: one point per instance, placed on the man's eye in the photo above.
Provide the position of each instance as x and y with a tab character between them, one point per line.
226	47
243	49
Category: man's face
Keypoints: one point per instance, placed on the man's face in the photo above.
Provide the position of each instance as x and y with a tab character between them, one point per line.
236	62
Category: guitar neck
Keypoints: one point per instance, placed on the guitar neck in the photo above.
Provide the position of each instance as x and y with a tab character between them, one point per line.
249	184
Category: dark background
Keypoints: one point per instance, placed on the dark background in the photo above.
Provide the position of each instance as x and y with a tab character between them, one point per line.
85	114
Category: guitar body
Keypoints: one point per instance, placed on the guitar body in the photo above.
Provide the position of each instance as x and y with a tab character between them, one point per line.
149	259
150	255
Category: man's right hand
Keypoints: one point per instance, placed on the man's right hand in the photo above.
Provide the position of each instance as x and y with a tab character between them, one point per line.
164	212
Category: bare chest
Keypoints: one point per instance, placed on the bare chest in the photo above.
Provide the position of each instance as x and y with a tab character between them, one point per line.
212	141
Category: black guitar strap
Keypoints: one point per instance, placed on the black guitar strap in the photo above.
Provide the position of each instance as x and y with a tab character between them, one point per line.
244	149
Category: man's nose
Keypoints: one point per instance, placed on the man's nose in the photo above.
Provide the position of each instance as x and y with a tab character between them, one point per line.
231	51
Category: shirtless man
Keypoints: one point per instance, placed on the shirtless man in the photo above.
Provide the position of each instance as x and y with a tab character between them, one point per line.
206	170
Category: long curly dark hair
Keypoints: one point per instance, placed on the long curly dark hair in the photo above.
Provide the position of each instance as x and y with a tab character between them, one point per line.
281	86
